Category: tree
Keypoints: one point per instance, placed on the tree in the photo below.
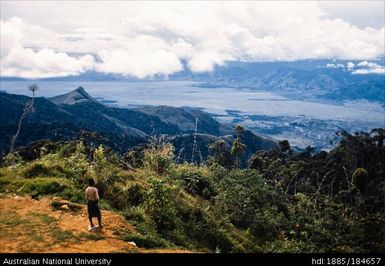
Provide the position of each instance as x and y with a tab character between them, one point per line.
238	147
256	162
28	109
220	154
284	146
360	179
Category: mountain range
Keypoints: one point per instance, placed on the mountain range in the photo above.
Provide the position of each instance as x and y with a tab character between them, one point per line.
306	79
76	114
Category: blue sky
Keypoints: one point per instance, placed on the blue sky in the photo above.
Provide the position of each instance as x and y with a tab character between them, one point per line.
141	39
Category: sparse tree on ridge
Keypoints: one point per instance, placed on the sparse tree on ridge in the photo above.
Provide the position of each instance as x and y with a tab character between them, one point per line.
238	147
28	109
220	154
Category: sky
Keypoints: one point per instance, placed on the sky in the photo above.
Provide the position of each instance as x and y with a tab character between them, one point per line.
142	39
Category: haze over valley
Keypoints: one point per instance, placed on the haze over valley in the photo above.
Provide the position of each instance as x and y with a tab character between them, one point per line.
304	102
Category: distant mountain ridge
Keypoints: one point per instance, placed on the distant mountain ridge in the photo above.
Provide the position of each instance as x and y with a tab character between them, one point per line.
73	97
306	79
67	116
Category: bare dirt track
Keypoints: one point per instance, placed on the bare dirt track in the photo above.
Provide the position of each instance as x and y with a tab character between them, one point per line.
28	225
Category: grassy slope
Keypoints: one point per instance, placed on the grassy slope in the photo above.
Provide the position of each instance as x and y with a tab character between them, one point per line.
54	175
201	208
28	225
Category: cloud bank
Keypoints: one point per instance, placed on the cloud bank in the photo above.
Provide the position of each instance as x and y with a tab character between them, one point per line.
366	67
361	68
142	39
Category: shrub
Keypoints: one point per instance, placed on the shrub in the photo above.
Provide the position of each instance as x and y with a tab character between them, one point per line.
118	195
77	167
159	157
206	231
12	159
44	186
114	195
267	223
220	154
40	169
195	180
104	169
240	194
360	179
324	227
159	204
134	193
198	185
136	214
35	169
99	159
73	194
134	157
37	186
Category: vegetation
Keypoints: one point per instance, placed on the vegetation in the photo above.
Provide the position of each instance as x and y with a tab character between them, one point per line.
238	147
285	201
28	109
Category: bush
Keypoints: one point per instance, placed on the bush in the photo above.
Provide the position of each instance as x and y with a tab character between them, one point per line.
159	204
77	167
44	186
12	159
35	169
198	185
195	180
40	169
327	226
267	223
114	195
135	194
134	157
241	193
73	194
360	179
135	214
39	186
205	231
159	157
121	197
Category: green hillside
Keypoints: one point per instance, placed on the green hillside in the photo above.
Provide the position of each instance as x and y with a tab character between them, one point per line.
284	201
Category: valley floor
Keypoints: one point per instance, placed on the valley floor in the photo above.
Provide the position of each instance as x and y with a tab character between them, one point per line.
28	225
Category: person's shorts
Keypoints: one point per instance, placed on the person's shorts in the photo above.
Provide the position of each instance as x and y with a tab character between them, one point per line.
93	208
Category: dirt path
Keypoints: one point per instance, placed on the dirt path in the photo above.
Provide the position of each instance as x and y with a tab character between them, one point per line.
28	225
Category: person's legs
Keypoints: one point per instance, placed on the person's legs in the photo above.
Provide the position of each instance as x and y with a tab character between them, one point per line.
100	220
90	218
89	210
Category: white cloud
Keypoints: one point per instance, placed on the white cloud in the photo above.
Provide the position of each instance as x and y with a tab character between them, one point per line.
141	57
350	65
25	62
335	66
29	62
152	38
379	70
366	67
204	61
